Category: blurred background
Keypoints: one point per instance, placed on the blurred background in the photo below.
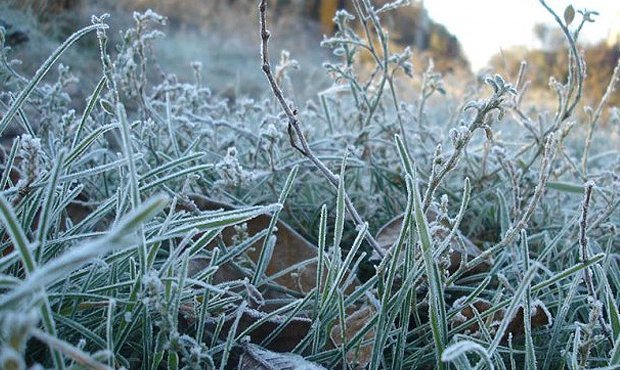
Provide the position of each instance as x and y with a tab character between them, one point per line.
464	38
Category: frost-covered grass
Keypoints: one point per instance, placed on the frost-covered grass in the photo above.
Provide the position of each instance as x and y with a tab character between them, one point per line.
116	254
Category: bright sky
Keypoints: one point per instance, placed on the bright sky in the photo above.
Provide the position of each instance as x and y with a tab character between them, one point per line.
485	26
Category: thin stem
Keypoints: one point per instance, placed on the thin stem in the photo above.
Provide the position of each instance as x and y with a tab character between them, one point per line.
296	133
584	252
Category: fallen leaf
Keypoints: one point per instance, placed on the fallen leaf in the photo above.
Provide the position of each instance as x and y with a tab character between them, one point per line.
290	249
360	356
467	313
258	358
460	245
540	316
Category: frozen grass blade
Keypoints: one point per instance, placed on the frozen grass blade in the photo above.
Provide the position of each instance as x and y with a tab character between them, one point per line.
42	71
77	355
335	284
615	353
17	235
269	242
77	257
92	102
168	165
21	244
265	257
320	258
519	294
458	351
8	165
340	206
437	309
393	259
79	149
289	317
343	330
109	331
219	219
230	339
134	187
48	203
320	289
559	321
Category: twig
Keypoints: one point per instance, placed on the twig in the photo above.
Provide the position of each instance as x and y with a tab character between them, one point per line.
584	254
521	224
493	103
296	135
611	87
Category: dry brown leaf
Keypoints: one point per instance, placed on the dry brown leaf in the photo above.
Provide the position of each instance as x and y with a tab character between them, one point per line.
540	316
467	313
388	235
360	356
290	249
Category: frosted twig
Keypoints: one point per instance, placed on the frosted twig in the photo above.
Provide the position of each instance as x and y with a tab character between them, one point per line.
584	253
296	135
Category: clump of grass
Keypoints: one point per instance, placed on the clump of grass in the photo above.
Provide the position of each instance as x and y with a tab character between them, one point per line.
111	258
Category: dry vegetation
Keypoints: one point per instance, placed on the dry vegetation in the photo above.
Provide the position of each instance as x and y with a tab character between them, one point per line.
389	221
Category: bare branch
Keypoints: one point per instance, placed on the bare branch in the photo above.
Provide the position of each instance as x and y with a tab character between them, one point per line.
295	132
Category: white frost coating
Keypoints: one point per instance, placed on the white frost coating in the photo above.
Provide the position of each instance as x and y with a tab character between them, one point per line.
258	357
459	302
458	318
538	304
31	155
230	170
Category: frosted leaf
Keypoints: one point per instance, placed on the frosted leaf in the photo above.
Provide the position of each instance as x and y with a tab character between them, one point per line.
342	17
271	133
31	154
538	307
458	318
460	349
258	358
230	171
